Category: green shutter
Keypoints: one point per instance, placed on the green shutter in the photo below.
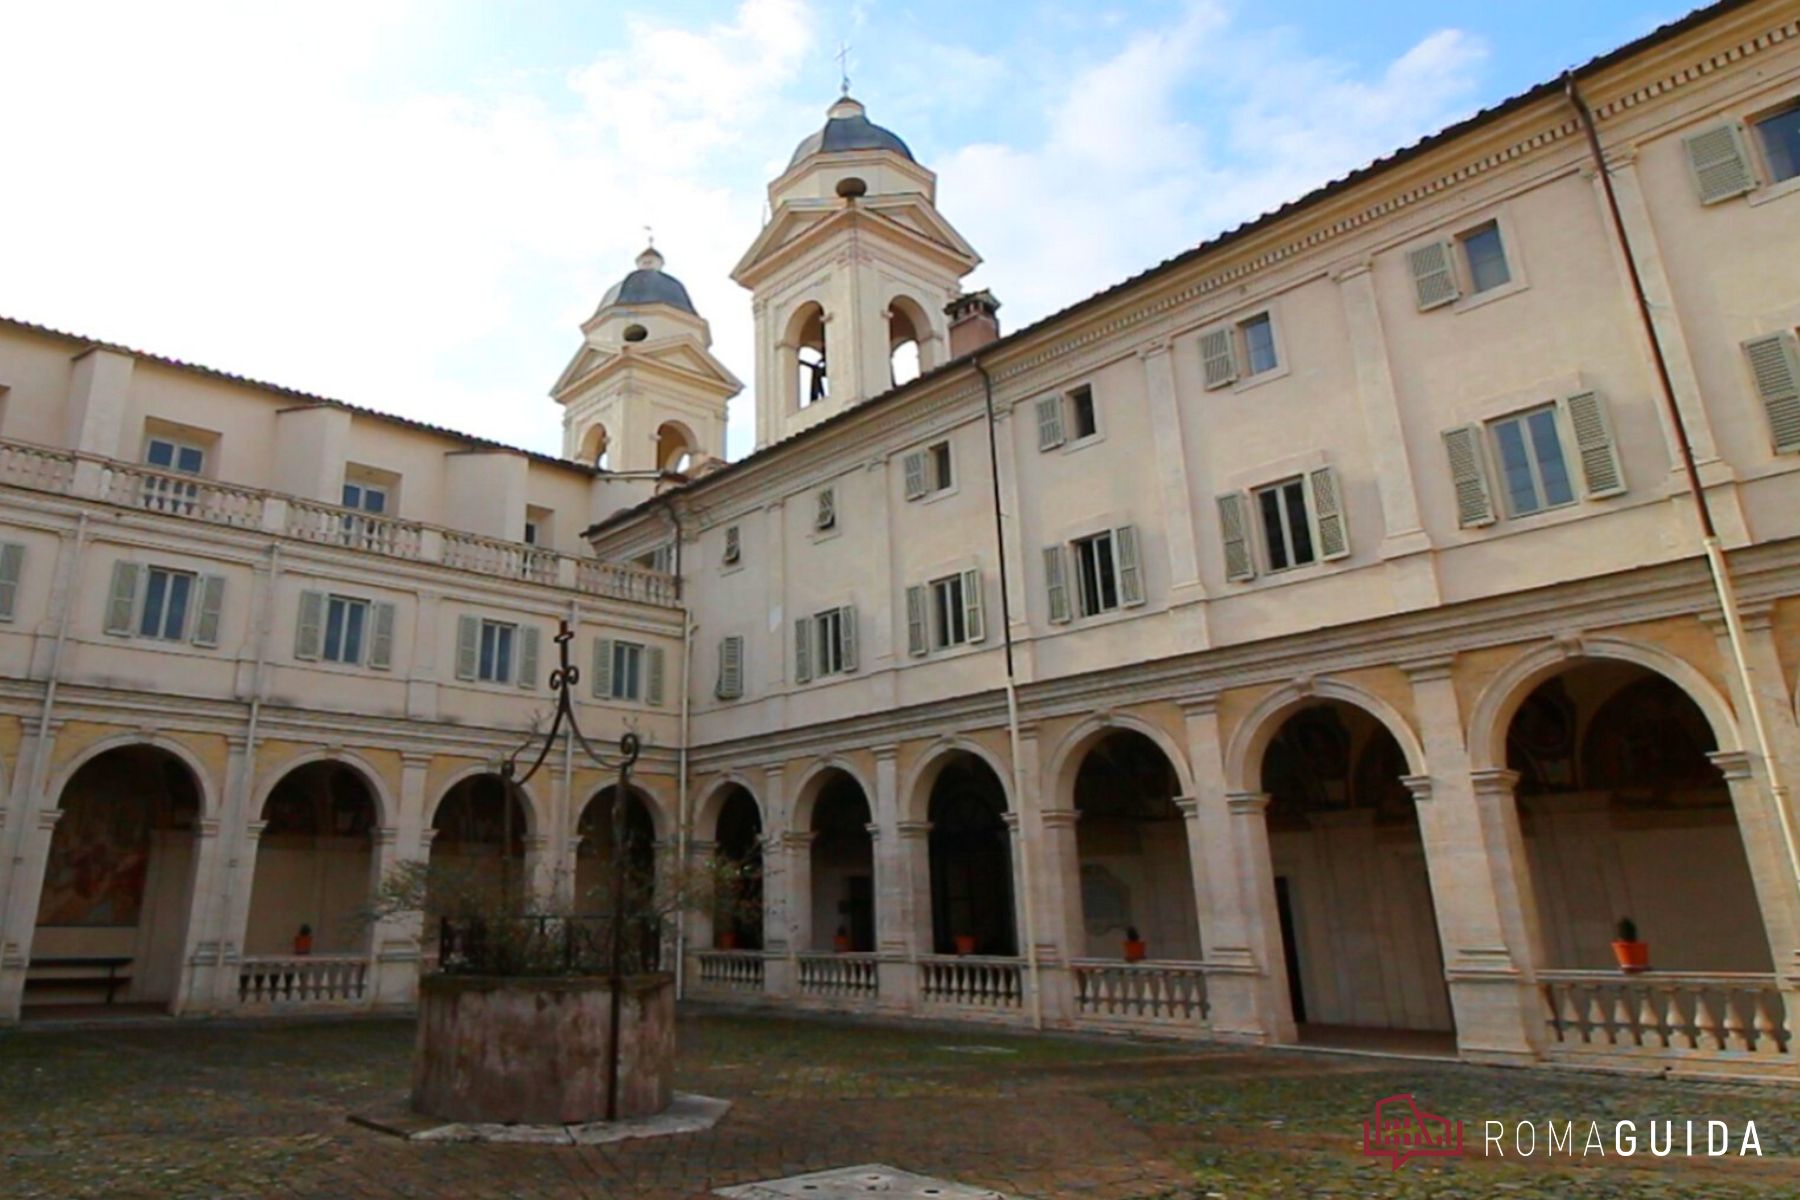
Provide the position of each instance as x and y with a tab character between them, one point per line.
731	667
603	665
1218	357
803	650
917	643
381	636
1433	268
1234	529
914	464
1049	422
309	626
1056	583
12	562
1126	563
847	635
1594	445
121	598
468	646
528	657
1719	162
1328	514
654	657
1775	366
211	610
1468	475
974	613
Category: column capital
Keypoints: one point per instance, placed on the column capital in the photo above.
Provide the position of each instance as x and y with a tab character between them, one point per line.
913	829
535	843
772	774
1429	669
1247	804
1189	806
1419	786
1059	818
1733	764
701	846
874	831
207	827
1355	269
254	830
48	817
426	837
1011	820
1200	704
798	839
382	835
237	742
1498	782
1757	616
415	759
887	753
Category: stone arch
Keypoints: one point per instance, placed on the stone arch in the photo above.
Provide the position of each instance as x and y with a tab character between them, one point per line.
909	324
528	801
652	803
812	783
805	343
674	441
706	815
594	446
1065	761
203	782
1499	701
386	810
916	791
1244	753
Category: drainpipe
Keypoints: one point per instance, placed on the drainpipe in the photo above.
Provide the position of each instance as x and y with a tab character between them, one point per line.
1709	534
1033	968
40	758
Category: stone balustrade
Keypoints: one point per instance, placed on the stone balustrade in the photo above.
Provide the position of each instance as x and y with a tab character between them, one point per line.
991	984
1724	1018
838	977
730	970
1159	995
173	494
289	981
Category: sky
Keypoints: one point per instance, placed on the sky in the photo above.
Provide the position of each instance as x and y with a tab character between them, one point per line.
413	205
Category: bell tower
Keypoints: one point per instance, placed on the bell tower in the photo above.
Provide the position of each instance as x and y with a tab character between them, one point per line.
644	392
850	276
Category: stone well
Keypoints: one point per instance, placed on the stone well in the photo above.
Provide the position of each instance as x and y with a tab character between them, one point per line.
534	1051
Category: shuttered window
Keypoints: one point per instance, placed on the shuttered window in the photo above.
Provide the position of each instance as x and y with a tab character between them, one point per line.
527	674
947	612
1775	370
1469	476
927	471
1287	533
1595	448
1108	571
1779	133
1056	583
1719	163
731	668
1234	530
825	510
734	544
1328	514
1433	268
1050	422
1533	473
1218	357
12	564
825	644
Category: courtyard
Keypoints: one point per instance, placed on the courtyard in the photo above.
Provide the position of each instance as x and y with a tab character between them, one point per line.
261	1109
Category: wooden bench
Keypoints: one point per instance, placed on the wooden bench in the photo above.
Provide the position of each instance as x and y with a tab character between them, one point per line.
86	971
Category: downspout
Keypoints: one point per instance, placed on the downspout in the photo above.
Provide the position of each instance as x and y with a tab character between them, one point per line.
1033	968
1709	534
40	757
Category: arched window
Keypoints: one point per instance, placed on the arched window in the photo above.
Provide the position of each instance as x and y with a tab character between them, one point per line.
594	447
810	373
908	331
676	447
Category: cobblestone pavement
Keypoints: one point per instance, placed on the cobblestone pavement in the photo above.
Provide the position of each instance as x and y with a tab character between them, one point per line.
259	1110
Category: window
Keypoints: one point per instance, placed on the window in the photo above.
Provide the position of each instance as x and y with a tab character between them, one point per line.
1083	421
629	671
357	529
495	664
1107	575
1241	351
825	644
1532	471
927	471
660	559
944	613
825	515
1779	134
365	497
1486	256
171	455
1259	344
161	494
949	615
1287	534
1096	574
1069	417
12	563
531	533
345	629
731	668
345	620
165	604
734	545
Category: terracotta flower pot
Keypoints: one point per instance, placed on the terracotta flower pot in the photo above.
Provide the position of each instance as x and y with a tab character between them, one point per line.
964	944
841	944
728	941
1633	956
1134	950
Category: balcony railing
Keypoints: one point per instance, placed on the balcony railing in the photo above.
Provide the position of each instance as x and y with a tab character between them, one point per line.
731	970
838	976
293	980
995	984
1666	1015
190	497
1160	995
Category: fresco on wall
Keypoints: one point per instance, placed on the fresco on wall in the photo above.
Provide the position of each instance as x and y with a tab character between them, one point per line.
99	858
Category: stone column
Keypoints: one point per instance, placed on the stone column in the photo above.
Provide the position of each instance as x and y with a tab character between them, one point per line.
1240	934
537	866
233	948
778	965
700	926
796	853
28	867
237	871
1062	925
915	866
1199	870
197	983
1480	885
394	941
1771	874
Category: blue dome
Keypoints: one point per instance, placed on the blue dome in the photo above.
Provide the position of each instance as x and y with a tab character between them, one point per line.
846	128
649	284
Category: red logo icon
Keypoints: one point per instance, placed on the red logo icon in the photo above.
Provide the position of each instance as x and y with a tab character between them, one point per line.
1402	1130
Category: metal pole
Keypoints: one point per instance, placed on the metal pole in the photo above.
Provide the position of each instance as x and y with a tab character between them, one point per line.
1709	535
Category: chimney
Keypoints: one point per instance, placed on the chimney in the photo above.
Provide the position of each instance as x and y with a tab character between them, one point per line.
972	322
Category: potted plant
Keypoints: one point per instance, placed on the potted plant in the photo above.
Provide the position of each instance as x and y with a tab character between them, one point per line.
728	939
841	942
1633	955
965	944
1134	945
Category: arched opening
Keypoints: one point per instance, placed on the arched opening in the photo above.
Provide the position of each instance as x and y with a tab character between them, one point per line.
594	866
1624	815
675	447
907	331
315	864
478	845
118	885
594	447
738	904
971	860
1136	877
1358	925
806	339
843	867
